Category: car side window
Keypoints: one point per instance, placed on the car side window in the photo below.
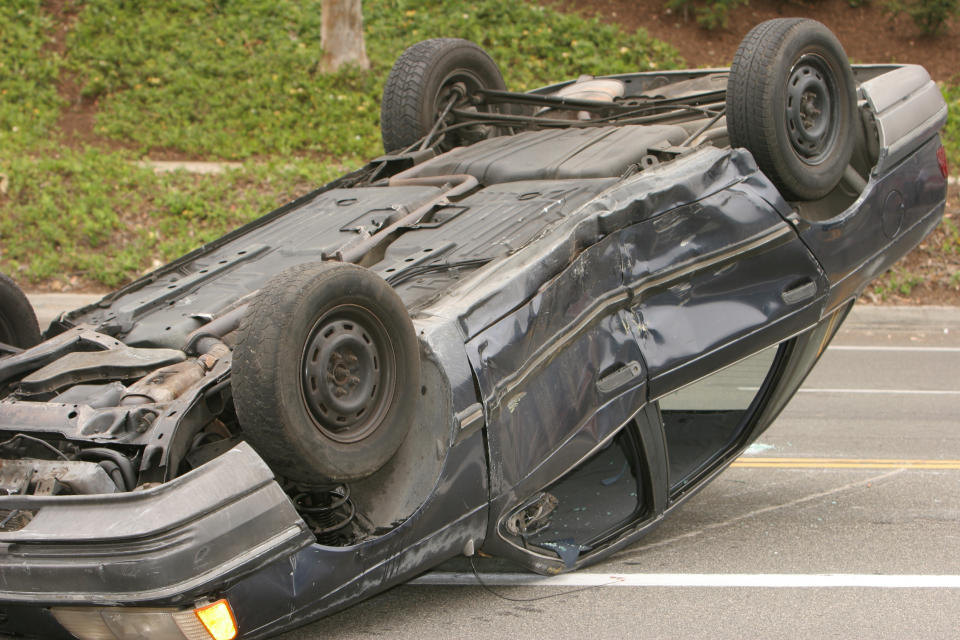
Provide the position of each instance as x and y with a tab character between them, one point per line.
705	419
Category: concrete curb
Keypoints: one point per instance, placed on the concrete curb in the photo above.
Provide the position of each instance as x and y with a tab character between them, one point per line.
50	305
191	166
941	319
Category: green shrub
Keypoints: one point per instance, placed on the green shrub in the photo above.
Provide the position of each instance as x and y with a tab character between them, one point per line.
709	15
930	16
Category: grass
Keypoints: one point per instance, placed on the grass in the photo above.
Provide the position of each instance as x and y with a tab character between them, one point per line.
951	132
896	282
94	216
931	271
223	79
29	104
241	78
950	244
238	80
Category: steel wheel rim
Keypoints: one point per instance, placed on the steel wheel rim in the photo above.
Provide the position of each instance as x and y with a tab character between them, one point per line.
347	373
812	108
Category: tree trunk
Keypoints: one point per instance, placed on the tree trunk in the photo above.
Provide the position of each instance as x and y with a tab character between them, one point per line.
341	35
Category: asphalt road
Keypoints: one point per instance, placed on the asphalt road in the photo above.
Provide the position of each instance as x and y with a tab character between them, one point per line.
783	544
843	521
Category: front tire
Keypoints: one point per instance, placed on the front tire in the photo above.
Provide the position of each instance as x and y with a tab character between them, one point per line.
791	102
18	322
326	373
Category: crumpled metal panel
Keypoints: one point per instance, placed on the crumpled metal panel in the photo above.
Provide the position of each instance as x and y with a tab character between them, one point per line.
542	368
715	280
479	301
319	580
571	322
493	223
174	541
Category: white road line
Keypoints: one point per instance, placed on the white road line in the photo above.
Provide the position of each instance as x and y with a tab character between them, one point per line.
909	392
844	347
764	580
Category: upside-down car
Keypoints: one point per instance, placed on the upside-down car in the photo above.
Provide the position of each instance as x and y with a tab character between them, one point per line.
534	327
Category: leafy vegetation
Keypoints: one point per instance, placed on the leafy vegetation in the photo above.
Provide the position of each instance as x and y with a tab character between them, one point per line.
96	216
897	281
951	132
930	16
242	78
223	79
951	240
710	14
29	105
239	80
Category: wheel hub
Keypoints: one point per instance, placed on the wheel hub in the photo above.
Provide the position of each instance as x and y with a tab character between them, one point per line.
811	108
458	87
342	377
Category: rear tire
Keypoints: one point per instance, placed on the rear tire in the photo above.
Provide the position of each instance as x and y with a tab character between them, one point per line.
326	373
18	322
423	80
791	102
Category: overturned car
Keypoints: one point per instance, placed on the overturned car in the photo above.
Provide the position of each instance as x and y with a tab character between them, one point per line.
599	292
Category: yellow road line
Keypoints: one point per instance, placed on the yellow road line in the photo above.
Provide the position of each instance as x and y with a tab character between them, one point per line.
843	463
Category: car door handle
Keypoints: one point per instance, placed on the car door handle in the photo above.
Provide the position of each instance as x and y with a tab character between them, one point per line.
795	293
620	377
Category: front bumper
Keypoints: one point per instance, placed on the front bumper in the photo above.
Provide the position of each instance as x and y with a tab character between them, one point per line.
170	544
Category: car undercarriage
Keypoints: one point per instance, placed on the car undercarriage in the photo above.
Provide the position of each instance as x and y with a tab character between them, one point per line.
528	295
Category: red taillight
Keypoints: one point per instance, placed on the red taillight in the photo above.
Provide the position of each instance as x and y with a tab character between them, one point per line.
942	159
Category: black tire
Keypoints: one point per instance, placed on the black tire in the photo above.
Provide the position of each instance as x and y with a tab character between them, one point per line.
791	102
326	373
18	322
421	83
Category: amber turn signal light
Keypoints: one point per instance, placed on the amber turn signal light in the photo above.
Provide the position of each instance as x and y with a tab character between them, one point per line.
218	620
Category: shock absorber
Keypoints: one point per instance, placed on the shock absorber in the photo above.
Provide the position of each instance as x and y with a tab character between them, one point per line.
327	511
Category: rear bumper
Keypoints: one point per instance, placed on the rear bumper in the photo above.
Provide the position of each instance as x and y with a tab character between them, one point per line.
167	545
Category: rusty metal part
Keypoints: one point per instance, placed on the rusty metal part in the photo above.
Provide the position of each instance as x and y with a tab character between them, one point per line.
164	385
81	338
82	478
169	383
586	88
119	362
206	337
590	88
